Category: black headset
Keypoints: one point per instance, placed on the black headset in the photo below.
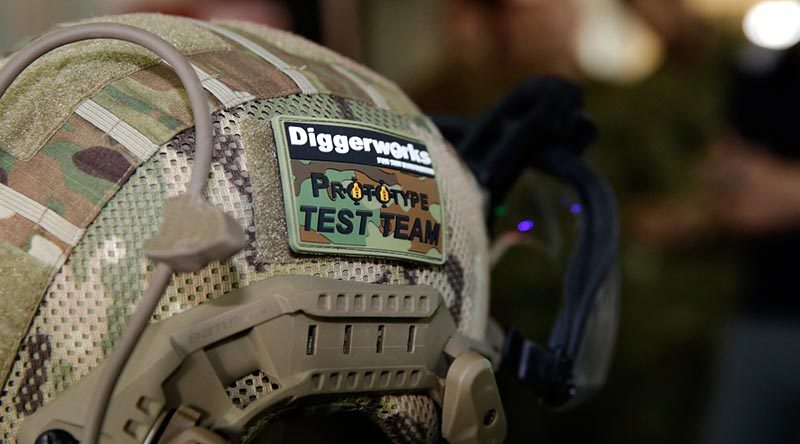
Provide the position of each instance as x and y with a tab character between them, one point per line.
541	125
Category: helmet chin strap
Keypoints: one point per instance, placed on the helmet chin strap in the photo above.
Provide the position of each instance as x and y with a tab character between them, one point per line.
183	244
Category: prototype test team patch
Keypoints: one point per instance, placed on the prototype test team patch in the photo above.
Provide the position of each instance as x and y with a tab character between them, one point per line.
352	188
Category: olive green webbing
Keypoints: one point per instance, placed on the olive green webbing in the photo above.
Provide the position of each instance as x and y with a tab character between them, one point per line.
23	278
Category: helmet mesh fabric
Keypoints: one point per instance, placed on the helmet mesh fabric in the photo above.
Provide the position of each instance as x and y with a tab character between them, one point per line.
250	388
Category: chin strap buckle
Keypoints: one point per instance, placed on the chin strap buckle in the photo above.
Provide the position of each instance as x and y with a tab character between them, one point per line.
547	370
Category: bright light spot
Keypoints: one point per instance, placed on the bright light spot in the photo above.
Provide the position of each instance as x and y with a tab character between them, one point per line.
773	24
525	225
575	208
615	44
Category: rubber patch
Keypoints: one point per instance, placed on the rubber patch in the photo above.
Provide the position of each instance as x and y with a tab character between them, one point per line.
356	189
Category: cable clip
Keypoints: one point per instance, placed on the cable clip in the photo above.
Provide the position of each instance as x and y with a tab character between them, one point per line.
193	234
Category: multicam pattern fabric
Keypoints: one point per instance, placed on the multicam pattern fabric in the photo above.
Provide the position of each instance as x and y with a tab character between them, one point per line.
82	170
38	103
405	419
292	44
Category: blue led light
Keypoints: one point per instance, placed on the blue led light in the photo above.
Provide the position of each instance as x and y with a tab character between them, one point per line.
525	225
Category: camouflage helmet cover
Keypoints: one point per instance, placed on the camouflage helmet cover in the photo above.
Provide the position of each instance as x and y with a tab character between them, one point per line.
94	137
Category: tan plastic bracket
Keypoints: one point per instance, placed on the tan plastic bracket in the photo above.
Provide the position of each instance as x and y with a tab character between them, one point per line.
471	410
312	336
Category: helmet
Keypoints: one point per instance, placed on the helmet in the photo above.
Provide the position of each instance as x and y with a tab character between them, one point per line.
169	274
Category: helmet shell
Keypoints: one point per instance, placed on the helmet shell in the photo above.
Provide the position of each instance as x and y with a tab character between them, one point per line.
97	134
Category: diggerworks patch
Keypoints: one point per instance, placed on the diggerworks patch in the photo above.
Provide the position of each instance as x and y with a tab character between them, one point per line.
351	188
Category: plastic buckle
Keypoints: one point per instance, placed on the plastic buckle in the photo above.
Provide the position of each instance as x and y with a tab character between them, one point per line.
546	370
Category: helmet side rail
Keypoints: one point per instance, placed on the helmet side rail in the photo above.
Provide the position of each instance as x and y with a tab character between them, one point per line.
310	337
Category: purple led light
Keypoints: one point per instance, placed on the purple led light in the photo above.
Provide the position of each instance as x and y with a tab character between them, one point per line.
525	225
575	208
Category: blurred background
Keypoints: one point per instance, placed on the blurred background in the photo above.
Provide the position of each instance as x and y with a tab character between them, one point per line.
696	105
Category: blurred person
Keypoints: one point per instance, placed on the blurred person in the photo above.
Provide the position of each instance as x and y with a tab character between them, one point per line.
749	191
749	183
758	172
